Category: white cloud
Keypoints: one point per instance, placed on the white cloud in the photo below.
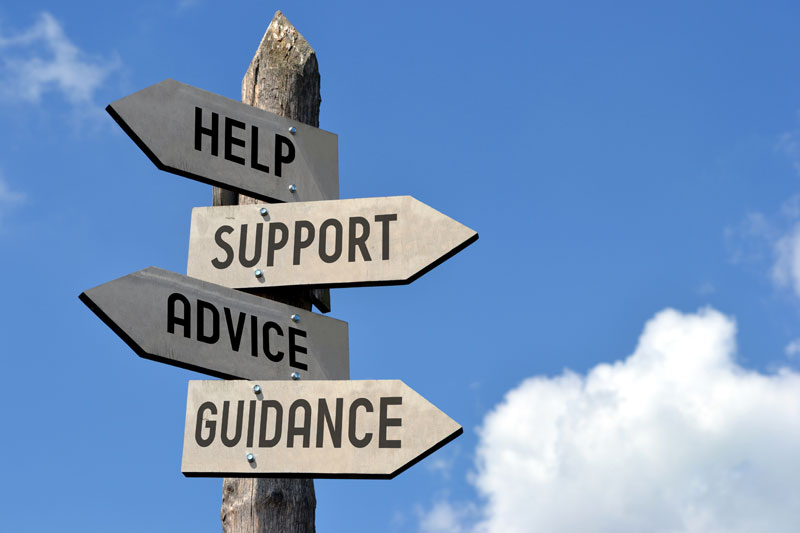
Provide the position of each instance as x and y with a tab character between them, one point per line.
444	517
786	270
773	239
789	144
8	198
792	349
675	438
42	59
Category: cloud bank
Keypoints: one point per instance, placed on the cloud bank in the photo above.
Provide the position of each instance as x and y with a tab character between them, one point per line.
42	58
676	437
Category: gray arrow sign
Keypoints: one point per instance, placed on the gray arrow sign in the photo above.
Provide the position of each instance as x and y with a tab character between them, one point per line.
335	429
192	324
364	241
207	137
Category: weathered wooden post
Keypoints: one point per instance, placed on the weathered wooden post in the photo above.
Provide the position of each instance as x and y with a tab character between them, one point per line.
283	78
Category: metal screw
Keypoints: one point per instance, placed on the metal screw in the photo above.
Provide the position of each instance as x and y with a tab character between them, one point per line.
257	388
258	273
263	211
292	130
295	376
292	188
295	318
250	457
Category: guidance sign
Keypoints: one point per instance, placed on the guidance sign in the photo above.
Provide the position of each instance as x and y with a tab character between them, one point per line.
221	332
207	137
364	241
335	429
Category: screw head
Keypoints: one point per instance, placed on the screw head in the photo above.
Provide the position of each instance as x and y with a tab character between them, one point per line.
292	130
250	457
256	388
295	318
295	376
263	211
292	188
258	273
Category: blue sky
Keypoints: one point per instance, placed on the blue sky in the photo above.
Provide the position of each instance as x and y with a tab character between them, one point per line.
621	345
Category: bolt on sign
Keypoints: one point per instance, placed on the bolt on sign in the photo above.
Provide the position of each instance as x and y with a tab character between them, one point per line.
209	138
221	332
337	243
335	429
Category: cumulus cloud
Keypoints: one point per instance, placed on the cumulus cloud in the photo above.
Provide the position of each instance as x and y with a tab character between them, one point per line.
677	437
42	58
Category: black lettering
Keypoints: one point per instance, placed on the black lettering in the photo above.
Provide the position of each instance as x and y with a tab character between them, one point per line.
337	242
253	336
334	426
360	241
254	151
299	242
202	307
225	247
296	348
230	140
185	321
351	431
251	422
274	357
263	442
243	245
273	243
384	421
280	159
199	131
384	220
211	425
236	333
223	432
304	430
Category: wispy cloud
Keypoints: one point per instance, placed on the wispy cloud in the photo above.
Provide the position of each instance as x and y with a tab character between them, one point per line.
675	437
789	144
786	270
186	4
772	242
8	198
43	59
793	349
446	517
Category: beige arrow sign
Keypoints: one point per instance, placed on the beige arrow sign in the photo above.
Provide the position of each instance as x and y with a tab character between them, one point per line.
339	243
207	137
336	429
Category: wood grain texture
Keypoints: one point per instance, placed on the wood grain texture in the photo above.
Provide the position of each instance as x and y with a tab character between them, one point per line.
283	78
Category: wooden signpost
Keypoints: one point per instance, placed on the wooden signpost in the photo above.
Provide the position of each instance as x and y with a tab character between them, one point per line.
200	326
219	141
339	243
298	416
334	429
